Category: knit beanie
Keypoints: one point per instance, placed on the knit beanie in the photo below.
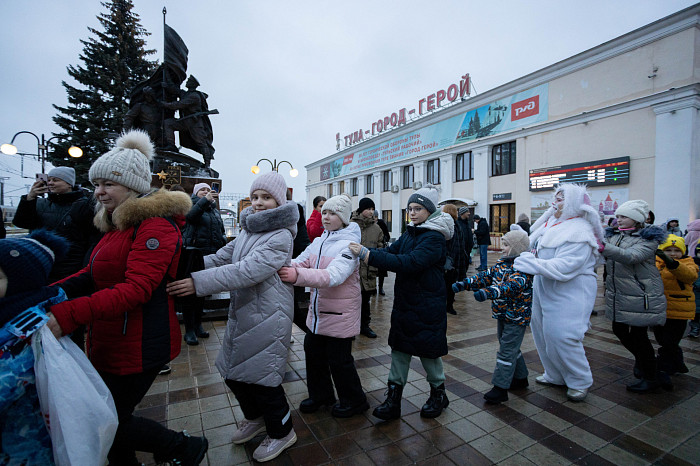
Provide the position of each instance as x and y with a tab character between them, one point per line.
199	186
66	174
635	209
523	218
673	240
27	261
517	239
365	203
341	205
427	197
127	164
274	184
463	210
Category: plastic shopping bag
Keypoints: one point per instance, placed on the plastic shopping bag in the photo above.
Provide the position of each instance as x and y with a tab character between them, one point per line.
77	406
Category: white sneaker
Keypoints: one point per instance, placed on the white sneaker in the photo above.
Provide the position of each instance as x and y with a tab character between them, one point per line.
542	381
271	448
576	395
248	429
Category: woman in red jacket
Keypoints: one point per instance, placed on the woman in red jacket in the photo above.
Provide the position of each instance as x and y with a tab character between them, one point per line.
313	225
120	295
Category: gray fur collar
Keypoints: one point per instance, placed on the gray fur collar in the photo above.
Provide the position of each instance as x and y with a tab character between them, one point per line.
285	216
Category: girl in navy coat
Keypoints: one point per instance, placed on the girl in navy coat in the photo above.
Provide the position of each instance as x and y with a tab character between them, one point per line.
418	319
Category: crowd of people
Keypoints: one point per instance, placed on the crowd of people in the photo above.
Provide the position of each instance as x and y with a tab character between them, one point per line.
123	261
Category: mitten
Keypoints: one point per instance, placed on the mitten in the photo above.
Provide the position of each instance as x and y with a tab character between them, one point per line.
670	263
460	286
480	295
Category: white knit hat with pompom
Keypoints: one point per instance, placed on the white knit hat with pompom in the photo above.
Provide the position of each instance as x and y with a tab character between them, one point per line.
127	164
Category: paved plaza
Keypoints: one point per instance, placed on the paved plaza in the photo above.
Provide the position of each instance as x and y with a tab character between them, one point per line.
538	425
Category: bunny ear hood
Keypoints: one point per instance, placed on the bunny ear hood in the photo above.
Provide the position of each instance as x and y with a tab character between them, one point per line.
581	219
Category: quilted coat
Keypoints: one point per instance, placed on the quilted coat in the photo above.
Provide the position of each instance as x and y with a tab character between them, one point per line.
634	293
259	327
678	287
332	272
205	228
121	294
418	318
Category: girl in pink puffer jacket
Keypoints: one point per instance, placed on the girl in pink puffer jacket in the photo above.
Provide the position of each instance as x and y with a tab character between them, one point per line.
332	272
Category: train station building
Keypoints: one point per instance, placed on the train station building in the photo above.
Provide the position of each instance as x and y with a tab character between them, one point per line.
621	117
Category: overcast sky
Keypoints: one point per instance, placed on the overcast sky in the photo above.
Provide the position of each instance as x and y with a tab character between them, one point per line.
287	76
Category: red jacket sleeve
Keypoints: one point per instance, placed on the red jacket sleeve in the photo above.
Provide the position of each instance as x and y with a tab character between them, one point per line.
145	269
314	226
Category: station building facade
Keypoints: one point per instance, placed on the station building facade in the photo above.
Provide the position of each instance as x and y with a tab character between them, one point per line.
621	117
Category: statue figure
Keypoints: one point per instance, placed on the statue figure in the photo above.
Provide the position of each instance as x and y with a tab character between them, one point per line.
145	114
193	125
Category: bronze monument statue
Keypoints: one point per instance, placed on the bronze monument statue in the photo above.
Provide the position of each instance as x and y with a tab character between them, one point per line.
153	104
193	125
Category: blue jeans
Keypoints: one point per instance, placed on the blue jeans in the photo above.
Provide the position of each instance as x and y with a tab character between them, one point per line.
483	250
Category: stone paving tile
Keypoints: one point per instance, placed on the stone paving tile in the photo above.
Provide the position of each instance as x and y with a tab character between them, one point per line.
537	425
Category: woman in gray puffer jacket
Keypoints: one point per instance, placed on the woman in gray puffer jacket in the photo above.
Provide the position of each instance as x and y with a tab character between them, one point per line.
634	292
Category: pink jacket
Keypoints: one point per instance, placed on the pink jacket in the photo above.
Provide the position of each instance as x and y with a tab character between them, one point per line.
332	272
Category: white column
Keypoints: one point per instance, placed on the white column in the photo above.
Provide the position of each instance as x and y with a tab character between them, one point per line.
481	180
420	171
396	203
377	196
677	162
360	187
446	176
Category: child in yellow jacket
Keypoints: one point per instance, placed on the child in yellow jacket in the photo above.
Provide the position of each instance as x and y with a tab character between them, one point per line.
678	272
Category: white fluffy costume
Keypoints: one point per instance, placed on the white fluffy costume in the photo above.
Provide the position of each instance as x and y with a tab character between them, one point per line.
564	291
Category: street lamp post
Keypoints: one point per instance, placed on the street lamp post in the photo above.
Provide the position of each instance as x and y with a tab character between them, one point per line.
275	167
41	149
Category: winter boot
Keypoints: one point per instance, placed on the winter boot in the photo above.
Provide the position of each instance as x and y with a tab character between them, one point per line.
188	451
517	384
436	403
391	408
191	338
678	363
694	328
649	381
496	395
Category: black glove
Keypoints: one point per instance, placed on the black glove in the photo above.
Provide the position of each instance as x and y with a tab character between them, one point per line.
670	263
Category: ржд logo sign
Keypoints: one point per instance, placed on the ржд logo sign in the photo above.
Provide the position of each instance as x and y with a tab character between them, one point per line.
525	108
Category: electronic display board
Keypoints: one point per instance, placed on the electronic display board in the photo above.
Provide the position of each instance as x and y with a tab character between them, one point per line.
595	173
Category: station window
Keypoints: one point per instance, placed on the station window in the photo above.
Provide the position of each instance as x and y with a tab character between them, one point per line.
341	187
387	179
433	175
502	217
330	190
407	178
386	216
503	159
369	184
464	167
353	187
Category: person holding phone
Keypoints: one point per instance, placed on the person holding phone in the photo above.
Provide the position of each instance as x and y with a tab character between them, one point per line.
203	234
55	203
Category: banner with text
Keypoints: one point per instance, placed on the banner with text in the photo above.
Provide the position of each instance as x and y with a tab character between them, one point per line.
523	108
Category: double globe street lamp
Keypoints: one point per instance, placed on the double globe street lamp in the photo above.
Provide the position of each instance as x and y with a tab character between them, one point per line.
42	149
275	167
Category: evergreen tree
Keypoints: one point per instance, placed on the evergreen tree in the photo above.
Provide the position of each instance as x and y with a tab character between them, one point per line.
114	61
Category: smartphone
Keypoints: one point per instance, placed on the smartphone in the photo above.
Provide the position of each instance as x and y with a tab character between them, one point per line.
42	177
215	186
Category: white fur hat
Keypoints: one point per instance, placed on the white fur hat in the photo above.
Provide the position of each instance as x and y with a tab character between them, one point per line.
517	239
341	205
127	164
635	209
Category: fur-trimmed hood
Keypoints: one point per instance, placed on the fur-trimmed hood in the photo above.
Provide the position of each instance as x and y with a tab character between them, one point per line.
157	203
439	221
284	216
651	232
